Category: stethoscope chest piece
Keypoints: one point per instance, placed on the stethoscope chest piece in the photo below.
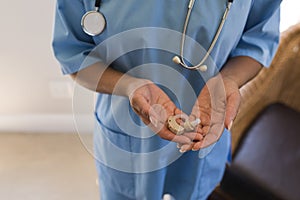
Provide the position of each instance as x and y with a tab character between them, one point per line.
93	23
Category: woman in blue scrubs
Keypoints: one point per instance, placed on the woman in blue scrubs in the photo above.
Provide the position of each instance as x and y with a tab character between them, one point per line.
130	66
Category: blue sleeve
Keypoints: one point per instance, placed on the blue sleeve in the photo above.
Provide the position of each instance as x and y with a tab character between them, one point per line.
261	34
70	44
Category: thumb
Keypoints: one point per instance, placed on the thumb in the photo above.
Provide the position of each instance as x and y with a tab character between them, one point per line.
141	107
232	107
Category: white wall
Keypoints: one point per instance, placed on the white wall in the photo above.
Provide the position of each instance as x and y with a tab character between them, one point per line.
289	13
33	93
27	65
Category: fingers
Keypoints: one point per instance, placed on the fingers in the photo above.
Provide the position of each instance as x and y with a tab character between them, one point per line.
195	111
233	103
149	113
163	132
194	136
181	139
207	141
186	147
168	135
204	137
216	111
155	117
141	107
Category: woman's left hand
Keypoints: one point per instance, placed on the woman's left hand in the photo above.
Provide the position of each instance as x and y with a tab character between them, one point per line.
216	106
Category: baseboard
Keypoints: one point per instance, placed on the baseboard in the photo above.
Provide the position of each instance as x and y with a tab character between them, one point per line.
49	123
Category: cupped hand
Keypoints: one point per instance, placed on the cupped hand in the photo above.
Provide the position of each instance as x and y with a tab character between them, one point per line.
216	106
154	107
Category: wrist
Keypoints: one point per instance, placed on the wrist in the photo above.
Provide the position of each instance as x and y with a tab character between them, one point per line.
131	84
240	69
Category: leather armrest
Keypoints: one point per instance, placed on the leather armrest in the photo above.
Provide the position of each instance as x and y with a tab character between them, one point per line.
266	164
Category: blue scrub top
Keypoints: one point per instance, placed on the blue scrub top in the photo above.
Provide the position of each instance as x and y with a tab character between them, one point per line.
140	38
252	29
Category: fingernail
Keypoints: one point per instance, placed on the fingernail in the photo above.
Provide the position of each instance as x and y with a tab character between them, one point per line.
184	148
194	150
182	151
230	125
178	146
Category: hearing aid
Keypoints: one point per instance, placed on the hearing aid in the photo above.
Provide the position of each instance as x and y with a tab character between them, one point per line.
186	126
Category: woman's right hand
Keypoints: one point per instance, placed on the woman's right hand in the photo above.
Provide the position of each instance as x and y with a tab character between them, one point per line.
154	107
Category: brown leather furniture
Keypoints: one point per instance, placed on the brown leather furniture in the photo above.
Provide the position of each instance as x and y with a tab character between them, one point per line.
266	164
266	132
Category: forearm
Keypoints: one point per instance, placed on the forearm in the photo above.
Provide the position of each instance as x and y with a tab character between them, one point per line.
241	69
102	79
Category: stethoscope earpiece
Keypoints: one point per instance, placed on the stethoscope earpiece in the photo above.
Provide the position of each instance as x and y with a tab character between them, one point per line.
177	60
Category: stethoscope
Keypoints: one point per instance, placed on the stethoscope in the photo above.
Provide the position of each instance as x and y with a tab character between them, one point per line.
93	23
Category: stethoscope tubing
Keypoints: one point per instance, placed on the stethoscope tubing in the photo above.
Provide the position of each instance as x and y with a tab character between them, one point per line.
213	43
97	5
178	60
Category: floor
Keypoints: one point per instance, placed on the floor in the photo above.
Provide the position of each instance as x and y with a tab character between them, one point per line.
47	167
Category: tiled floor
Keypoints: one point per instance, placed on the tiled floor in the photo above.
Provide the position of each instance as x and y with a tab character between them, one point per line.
45	167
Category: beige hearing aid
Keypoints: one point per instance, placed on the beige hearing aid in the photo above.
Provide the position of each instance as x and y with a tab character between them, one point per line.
180	129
